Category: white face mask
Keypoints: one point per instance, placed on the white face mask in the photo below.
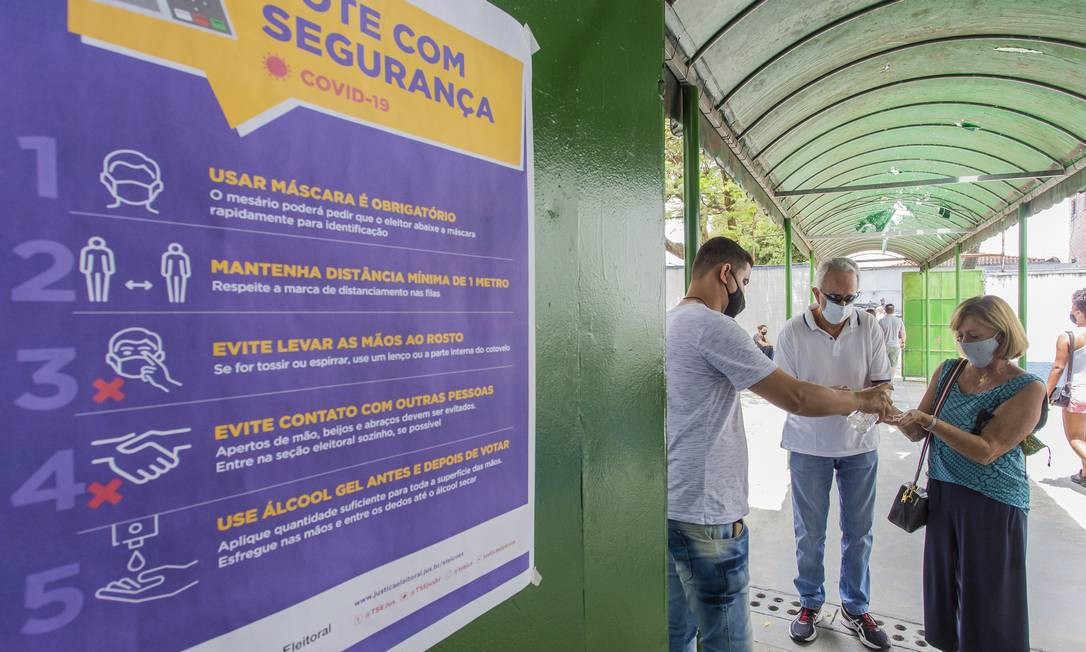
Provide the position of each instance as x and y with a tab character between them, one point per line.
834	313
981	353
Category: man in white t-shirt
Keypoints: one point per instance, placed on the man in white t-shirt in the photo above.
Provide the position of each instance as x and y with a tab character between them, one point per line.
893	330
834	344
710	360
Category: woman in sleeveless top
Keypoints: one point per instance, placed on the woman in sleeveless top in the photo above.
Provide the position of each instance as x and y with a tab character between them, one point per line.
978	493
1074	415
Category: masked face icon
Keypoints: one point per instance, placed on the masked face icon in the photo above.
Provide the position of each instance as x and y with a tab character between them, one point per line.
133	349
131	178
137	353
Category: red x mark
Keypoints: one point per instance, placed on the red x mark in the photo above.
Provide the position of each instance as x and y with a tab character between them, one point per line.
106	494
112	390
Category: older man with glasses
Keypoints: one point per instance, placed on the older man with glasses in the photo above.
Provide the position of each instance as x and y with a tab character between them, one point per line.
834	344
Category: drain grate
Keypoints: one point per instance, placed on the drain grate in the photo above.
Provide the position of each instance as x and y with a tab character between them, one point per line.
904	634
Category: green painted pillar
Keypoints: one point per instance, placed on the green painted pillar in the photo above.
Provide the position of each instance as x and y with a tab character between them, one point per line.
691	178
1023	271
787	269
811	270
957	274
926	322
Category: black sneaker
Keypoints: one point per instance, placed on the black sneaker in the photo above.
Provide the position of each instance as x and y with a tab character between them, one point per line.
1079	479
803	629
864	626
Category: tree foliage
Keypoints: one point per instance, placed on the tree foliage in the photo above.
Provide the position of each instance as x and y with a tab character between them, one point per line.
725	208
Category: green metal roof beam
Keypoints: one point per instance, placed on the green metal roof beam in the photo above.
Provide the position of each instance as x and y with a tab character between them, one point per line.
849	217
880	132
801	208
889	234
1044	196
719	34
944	188
815	219
939	181
889	147
834	221
882	112
806	39
923	78
875	55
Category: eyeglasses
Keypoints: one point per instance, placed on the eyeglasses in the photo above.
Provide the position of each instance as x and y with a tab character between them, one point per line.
840	299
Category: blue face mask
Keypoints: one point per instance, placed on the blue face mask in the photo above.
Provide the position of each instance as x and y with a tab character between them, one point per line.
981	353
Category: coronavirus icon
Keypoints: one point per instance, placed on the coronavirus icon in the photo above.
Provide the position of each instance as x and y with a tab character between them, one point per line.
276	66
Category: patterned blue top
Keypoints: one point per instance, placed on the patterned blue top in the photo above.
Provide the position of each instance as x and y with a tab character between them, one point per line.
1004	479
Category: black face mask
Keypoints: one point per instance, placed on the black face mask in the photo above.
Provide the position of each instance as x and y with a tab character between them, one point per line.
736	301
1073	320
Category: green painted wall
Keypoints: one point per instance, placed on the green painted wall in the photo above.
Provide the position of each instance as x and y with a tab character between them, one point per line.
600	478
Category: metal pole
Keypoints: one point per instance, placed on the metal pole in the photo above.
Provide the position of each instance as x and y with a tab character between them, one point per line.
691	178
812	270
787	268
926	320
1023	271
957	274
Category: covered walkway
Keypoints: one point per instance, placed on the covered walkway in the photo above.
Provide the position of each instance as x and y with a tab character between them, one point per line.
916	128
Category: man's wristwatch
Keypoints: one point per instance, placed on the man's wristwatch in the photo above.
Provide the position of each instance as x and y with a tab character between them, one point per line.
931	426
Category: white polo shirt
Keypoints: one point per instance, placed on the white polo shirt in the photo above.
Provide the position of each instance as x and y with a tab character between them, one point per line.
855	359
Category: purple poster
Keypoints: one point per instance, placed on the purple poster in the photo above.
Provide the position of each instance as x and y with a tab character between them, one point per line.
268	323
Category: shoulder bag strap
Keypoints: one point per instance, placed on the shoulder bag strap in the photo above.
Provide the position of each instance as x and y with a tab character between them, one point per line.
951	379
1070	358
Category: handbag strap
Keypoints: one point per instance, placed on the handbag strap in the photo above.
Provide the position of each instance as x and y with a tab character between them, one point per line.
1070	358
943	395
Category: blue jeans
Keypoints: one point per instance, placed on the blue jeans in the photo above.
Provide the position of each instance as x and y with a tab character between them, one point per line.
712	568
682	627
811	480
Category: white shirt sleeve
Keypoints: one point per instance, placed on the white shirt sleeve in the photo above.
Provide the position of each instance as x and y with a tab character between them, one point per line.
785	353
729	349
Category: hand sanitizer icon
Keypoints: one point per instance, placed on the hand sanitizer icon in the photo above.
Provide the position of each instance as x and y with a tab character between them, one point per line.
134	533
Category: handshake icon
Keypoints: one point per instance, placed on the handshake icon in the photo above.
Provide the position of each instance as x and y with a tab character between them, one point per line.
142	457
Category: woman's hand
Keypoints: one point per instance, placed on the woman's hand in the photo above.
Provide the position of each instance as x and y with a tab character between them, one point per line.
911	423
911	418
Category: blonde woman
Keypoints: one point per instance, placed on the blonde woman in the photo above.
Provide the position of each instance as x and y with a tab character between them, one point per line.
978	492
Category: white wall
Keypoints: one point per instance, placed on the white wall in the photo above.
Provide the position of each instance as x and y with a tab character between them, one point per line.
765	294
1048	308
1049	298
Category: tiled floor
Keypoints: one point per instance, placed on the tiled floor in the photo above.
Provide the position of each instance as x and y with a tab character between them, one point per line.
1057	537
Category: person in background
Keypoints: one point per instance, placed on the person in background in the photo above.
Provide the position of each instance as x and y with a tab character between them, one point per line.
894	331
833	344
978	492
710	360
871	311
1074	414
761	339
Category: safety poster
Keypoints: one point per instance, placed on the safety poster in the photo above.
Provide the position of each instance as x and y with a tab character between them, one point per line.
267	322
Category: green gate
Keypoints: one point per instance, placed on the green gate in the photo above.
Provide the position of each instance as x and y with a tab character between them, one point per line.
941	299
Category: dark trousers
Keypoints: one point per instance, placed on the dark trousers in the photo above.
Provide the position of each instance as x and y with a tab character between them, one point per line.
974	572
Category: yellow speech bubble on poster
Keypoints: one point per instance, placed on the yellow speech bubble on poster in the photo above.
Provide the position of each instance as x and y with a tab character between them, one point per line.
384	63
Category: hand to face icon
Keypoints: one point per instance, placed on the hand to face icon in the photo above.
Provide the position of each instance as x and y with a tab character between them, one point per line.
139	458
155	373
152	584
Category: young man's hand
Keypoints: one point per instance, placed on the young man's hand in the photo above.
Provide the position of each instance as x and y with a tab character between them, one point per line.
876	400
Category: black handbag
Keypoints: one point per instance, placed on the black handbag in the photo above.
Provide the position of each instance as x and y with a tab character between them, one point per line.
1061	396
910	508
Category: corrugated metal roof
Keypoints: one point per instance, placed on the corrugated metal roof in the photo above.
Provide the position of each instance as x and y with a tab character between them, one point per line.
832	94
